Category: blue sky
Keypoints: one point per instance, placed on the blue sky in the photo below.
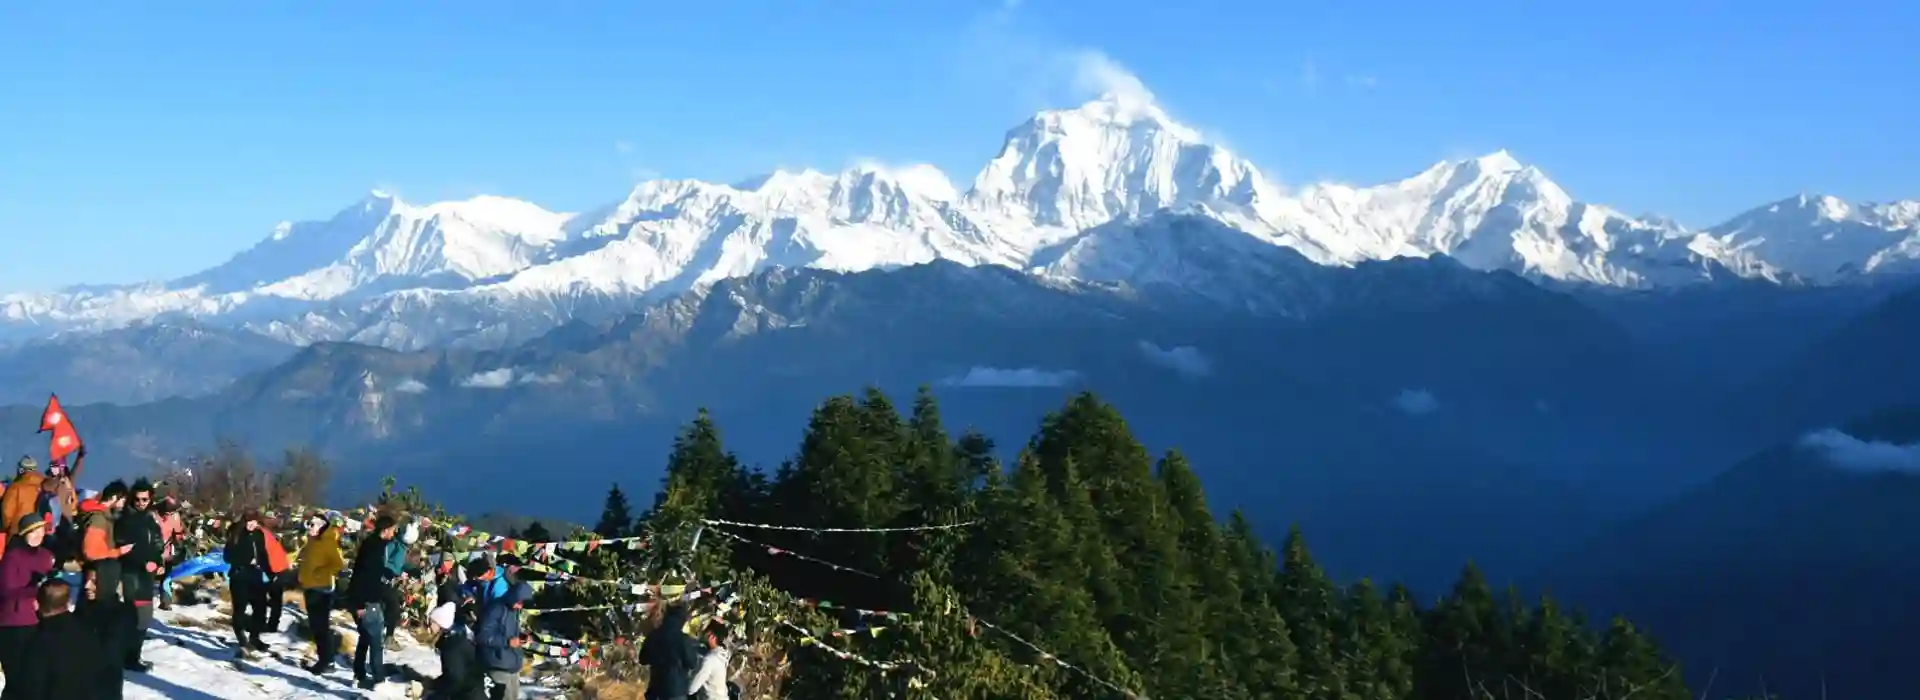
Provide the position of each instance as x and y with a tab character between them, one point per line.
143	140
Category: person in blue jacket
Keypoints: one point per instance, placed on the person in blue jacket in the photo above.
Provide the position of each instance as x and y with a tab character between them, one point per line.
506	573
395	562
498	639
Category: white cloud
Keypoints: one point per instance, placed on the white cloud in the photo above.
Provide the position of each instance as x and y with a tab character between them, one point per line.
505	377
999	54
1022	377
1096	74
491	379
411	386
531	378
1416	402
1851	453
1184	359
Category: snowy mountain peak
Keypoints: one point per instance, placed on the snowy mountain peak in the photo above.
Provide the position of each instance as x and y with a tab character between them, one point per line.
1118	156
1497	163
1109	189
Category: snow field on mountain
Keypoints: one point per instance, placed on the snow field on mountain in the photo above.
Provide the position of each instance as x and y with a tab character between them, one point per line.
383	270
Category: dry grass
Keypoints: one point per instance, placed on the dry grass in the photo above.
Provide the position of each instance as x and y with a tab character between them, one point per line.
214	623
605	688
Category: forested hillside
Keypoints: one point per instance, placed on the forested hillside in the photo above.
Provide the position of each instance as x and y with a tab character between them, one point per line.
1087	569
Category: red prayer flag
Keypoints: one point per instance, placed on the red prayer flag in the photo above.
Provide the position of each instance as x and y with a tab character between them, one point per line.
65	440
54	416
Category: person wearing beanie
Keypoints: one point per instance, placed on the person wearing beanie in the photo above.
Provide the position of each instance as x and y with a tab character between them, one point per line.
26	564
22	497
461	677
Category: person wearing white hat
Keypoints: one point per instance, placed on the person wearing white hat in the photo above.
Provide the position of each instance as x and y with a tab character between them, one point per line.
461	677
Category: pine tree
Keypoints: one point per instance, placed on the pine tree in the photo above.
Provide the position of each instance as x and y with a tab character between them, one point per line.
1629	665
1379	658
1311	606
616	517
1461	660
954	660
535	532
1269	664
935	491
700	475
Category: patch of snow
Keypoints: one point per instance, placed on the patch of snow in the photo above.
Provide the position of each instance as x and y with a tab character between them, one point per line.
192	659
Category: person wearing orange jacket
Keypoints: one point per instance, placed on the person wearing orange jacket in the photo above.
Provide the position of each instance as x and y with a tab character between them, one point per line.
22	497
277	568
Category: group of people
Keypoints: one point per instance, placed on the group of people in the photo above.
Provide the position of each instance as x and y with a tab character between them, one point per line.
680	667
60	643
56	642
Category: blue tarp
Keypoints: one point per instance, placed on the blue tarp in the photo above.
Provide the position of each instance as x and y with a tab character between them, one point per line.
209	563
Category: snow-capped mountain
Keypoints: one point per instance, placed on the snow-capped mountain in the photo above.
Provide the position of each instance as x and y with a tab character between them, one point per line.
492	270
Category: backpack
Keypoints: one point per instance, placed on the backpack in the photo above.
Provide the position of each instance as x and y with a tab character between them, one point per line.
733	691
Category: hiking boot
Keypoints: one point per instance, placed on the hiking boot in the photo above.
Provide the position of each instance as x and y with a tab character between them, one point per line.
368	684
139	667
319	669
259	645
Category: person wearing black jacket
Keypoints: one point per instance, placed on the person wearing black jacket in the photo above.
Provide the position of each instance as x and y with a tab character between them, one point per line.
670	655
246	555
109	622
367	592
68	665
139	567
461	677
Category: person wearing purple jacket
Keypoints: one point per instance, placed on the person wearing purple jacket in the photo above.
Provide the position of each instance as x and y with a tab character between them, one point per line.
24	565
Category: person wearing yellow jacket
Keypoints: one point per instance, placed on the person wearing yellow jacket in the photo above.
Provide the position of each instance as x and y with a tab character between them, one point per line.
320	562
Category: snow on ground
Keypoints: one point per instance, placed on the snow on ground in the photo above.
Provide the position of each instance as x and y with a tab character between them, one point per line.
190	649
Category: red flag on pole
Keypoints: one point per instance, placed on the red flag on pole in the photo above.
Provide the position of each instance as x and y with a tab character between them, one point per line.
65	440
54	415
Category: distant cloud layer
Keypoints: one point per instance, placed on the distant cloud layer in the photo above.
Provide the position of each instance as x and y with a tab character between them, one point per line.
1023	377
1184	359
1851	453
1416	402
411	386
506	377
